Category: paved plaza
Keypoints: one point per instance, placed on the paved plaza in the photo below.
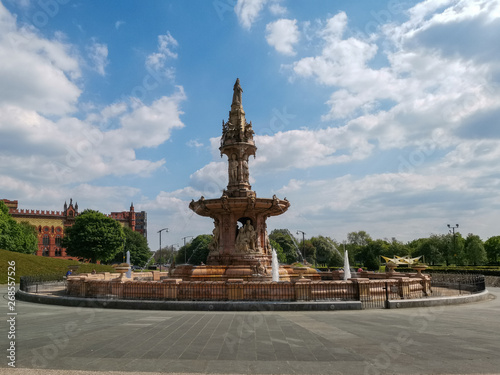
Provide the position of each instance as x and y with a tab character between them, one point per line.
463	339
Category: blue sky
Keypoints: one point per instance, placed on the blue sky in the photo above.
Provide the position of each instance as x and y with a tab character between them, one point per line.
376	116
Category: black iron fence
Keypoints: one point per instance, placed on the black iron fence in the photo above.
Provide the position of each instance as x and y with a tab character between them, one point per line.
461	283
372	293
42	283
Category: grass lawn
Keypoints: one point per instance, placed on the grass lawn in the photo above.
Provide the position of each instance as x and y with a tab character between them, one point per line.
29	265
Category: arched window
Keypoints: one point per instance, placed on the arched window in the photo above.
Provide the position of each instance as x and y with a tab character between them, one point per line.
58	240
46	240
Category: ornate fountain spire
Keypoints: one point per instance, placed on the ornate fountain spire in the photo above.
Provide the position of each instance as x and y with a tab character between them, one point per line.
238	144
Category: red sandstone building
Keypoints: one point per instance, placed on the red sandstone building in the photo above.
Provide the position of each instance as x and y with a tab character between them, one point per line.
50	225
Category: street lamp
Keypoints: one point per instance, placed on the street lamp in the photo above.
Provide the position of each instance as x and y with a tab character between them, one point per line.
303	250
159	232
185	250
454	246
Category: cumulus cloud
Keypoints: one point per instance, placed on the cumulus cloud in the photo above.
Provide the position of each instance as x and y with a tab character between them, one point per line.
248	10
422	87
98	56
211	179
37	74
277	9
283	34
157	60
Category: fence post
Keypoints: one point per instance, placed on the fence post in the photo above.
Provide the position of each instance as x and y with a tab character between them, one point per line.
386	295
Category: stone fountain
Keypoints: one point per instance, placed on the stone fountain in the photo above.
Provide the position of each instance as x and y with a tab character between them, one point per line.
240	248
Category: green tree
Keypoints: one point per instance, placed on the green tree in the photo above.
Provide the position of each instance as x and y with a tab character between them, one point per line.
137	244
94	236
370	253
18	237
283	238
492	247
195	251
356	241
454	251
279	251
326	251
309	251
432	249
474	252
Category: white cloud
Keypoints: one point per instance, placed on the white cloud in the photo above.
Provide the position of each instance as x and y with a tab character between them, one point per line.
36	73
283	34
118	24
247	11
277	9
211	179
98	56
157	60
194	143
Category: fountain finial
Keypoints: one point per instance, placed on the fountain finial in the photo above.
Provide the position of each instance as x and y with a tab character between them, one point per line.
237	91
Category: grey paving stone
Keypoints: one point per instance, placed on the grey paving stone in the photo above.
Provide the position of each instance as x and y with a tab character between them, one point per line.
453	340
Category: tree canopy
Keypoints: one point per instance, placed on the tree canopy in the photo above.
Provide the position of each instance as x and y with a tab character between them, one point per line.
286	242
196	251
18	237
492	247
94	236
137	244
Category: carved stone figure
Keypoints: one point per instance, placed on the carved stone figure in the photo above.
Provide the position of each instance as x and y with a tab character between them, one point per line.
214	245
224	201
233	169
244	171
247	238
259	269
237	90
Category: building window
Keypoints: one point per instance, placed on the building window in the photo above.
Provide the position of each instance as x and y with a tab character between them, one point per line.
46	240
58	240
45	252
58	252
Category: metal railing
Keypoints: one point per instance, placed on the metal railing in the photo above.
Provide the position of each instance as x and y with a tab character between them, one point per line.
462	283
42	283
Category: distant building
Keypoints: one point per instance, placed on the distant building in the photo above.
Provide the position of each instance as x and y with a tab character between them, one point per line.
51	225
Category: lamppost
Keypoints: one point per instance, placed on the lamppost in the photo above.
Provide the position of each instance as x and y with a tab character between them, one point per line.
185	250
303	249
454	246
159	232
